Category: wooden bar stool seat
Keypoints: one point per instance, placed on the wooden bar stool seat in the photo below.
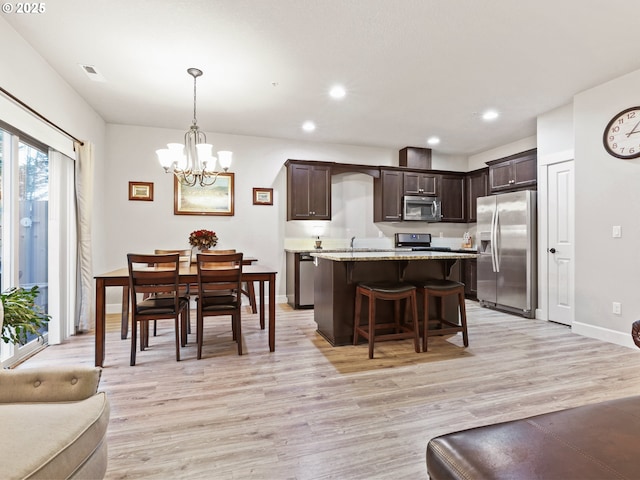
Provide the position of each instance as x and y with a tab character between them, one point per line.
386	291
441	289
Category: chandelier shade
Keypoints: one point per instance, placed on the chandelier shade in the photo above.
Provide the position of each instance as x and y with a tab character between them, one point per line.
192	162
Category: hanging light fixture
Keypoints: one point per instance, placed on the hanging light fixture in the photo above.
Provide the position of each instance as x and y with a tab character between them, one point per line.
193	163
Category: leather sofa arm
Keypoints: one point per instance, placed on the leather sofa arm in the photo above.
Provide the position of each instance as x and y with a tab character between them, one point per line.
49	384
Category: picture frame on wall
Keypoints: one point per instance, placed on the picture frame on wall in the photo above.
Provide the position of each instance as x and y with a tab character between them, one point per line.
263	196
141	191
216	199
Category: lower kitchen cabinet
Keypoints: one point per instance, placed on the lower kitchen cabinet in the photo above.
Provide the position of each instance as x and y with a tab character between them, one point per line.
470	278
300	279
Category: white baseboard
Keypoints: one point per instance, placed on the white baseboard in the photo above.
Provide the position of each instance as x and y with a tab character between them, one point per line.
604	334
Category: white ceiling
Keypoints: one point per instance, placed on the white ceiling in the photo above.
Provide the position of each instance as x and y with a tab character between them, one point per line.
412	68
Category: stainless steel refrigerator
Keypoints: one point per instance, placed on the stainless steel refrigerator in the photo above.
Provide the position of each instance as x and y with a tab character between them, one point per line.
507	263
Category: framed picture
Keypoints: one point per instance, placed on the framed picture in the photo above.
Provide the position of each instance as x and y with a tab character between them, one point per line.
141	191
216	199
263	196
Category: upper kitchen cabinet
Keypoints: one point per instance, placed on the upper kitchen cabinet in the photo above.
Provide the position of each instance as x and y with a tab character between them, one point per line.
516	172
387	196
415	157
477	183
308	190
452	194
419	183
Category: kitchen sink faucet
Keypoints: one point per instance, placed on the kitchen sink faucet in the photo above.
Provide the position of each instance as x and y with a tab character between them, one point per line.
352	239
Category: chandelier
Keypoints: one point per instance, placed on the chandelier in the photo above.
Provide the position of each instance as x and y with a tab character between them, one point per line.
193	163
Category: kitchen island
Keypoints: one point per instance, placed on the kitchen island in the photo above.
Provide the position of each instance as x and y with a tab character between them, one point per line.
338	273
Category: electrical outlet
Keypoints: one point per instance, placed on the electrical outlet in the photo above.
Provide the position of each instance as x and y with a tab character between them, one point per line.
617	308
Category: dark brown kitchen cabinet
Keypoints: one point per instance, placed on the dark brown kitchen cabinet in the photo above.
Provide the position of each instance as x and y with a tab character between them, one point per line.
452	194
308	190
477	183
419	183
387	196
470	277
415	157
515	172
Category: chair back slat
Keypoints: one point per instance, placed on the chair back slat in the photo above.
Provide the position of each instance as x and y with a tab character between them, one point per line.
153	273
218	272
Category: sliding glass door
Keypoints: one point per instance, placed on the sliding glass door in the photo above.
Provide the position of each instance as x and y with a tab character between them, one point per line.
24	226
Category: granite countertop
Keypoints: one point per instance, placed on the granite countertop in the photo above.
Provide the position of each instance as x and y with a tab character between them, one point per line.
360	256
335	250
358	250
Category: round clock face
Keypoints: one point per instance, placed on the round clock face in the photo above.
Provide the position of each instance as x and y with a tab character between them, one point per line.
622	136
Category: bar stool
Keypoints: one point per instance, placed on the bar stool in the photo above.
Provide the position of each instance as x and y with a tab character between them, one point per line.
386	291
441	289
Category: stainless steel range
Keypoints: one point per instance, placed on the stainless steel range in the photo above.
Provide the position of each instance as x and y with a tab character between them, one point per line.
418	242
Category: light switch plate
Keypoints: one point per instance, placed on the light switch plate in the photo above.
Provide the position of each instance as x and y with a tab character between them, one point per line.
617	231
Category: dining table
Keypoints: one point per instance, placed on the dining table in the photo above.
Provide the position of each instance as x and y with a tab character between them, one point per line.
188	276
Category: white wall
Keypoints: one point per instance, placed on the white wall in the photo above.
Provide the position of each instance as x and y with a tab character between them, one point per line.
606	195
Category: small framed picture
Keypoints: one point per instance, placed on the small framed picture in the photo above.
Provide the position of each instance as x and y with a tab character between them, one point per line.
141	191
263	196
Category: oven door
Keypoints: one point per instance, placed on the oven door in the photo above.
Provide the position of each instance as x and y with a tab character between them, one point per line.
425	209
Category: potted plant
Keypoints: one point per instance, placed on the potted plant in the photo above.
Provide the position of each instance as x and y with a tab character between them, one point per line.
20	316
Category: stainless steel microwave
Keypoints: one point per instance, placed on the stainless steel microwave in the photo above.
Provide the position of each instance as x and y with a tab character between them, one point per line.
421	208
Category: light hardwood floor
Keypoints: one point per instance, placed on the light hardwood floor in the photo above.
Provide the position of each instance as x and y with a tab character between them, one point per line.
310	411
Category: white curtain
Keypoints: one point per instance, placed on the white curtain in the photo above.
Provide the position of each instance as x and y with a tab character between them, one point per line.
85	320
62	247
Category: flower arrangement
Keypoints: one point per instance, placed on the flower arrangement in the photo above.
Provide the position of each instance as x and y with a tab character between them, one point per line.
203	239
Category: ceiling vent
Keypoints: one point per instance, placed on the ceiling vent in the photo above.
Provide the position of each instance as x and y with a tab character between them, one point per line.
92	73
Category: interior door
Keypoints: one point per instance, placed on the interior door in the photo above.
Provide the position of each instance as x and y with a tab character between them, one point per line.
560	256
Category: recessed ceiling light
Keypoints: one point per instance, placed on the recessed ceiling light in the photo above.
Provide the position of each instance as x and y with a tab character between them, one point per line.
337	92
308	126
433	140
490	115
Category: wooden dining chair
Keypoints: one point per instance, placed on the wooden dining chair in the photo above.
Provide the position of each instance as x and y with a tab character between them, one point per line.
154	283
185	261
249	289
219	293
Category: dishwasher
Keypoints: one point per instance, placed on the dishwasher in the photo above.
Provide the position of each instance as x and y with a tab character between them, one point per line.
300	279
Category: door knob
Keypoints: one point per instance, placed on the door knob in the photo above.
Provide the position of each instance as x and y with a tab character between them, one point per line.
552	250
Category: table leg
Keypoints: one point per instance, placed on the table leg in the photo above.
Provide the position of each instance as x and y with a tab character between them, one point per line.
272	313
252	296
261	282
100	322
124	328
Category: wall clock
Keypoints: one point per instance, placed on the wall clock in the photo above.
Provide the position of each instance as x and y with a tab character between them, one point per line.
621	137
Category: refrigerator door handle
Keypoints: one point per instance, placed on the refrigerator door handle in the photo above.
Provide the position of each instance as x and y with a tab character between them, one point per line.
496	243
493	241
